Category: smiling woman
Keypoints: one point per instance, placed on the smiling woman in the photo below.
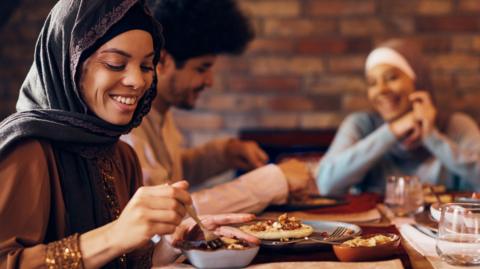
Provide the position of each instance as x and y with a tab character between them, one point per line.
405	134
117	75
70	190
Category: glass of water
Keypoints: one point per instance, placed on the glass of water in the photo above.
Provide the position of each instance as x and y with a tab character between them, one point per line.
404	195
458	241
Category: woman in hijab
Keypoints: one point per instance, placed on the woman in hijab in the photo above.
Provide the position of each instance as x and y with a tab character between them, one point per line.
70	193
406	134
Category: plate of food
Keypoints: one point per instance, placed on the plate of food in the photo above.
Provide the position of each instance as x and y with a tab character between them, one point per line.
308	202
290	232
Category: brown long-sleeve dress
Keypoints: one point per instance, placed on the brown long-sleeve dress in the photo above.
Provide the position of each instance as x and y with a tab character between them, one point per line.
31	202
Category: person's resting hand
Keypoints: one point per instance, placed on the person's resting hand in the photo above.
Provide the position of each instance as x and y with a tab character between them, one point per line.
214	223
152	210
424	111
245	155
297	174
407	129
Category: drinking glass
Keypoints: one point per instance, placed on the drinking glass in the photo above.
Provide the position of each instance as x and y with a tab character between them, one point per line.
404	195
458	241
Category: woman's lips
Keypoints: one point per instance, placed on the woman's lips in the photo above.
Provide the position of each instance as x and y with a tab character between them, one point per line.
126	104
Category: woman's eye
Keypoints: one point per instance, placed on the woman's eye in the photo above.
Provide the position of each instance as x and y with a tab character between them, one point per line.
392	77
146	68
115	67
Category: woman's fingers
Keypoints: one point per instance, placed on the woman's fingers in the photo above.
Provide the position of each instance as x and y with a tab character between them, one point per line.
234	232
213	221
181	185
176	191
162	216
420	96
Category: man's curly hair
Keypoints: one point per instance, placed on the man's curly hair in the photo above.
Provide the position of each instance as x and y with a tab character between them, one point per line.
193	28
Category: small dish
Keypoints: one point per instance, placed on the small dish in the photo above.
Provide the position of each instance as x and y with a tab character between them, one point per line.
219	258
347	253
435	211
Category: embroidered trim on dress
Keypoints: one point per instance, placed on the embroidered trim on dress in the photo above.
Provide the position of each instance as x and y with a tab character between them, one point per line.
106	168
64	254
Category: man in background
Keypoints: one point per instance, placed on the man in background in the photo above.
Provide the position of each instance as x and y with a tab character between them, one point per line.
196	32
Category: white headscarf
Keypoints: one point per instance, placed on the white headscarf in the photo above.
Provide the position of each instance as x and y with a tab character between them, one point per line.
384	55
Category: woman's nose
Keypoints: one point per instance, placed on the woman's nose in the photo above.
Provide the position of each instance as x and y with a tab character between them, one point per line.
382	86
135	79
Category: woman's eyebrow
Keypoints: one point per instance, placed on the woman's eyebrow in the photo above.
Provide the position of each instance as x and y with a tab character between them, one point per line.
123	53
113	50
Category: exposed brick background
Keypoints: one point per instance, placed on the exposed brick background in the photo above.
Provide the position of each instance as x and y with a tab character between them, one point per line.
305	69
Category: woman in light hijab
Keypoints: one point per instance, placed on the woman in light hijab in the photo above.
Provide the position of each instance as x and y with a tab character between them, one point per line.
70	193
405	134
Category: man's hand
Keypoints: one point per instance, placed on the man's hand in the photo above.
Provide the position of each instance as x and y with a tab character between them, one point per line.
245	155
298	175
214	223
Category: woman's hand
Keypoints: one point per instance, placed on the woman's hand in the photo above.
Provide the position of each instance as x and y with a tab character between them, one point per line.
214	223
424	111
152	210
407	129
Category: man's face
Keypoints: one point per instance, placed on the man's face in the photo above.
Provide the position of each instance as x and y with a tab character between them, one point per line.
184	84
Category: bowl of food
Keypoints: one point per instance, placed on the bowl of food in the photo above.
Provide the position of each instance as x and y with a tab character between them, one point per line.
235	253
367	247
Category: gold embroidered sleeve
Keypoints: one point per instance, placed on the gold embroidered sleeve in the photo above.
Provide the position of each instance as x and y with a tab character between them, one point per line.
64	254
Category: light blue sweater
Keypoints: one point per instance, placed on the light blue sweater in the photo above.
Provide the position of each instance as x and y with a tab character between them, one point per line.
365	151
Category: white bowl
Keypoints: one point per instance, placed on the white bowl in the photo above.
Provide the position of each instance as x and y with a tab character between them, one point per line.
435	211
221	258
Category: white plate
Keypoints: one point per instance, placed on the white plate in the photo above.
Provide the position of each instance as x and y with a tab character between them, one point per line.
318	227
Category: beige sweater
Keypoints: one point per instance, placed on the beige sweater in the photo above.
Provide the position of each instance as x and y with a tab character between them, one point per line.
158	144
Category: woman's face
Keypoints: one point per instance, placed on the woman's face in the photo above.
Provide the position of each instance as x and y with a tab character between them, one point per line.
115	77
388	91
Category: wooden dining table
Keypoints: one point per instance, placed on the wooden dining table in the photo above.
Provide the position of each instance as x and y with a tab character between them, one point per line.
359	207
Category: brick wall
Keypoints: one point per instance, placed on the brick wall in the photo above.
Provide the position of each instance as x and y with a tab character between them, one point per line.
304	70
17	41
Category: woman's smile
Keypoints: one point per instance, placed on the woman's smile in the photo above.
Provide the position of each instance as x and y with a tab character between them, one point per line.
118	75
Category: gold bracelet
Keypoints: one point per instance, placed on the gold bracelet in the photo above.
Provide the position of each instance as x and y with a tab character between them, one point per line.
64	254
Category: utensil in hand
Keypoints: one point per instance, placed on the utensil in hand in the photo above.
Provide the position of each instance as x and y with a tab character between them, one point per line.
213	241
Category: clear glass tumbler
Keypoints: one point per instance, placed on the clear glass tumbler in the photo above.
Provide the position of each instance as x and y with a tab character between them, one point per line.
458	241
404	195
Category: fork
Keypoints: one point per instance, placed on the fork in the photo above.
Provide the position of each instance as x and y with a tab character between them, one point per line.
337	234
213	241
